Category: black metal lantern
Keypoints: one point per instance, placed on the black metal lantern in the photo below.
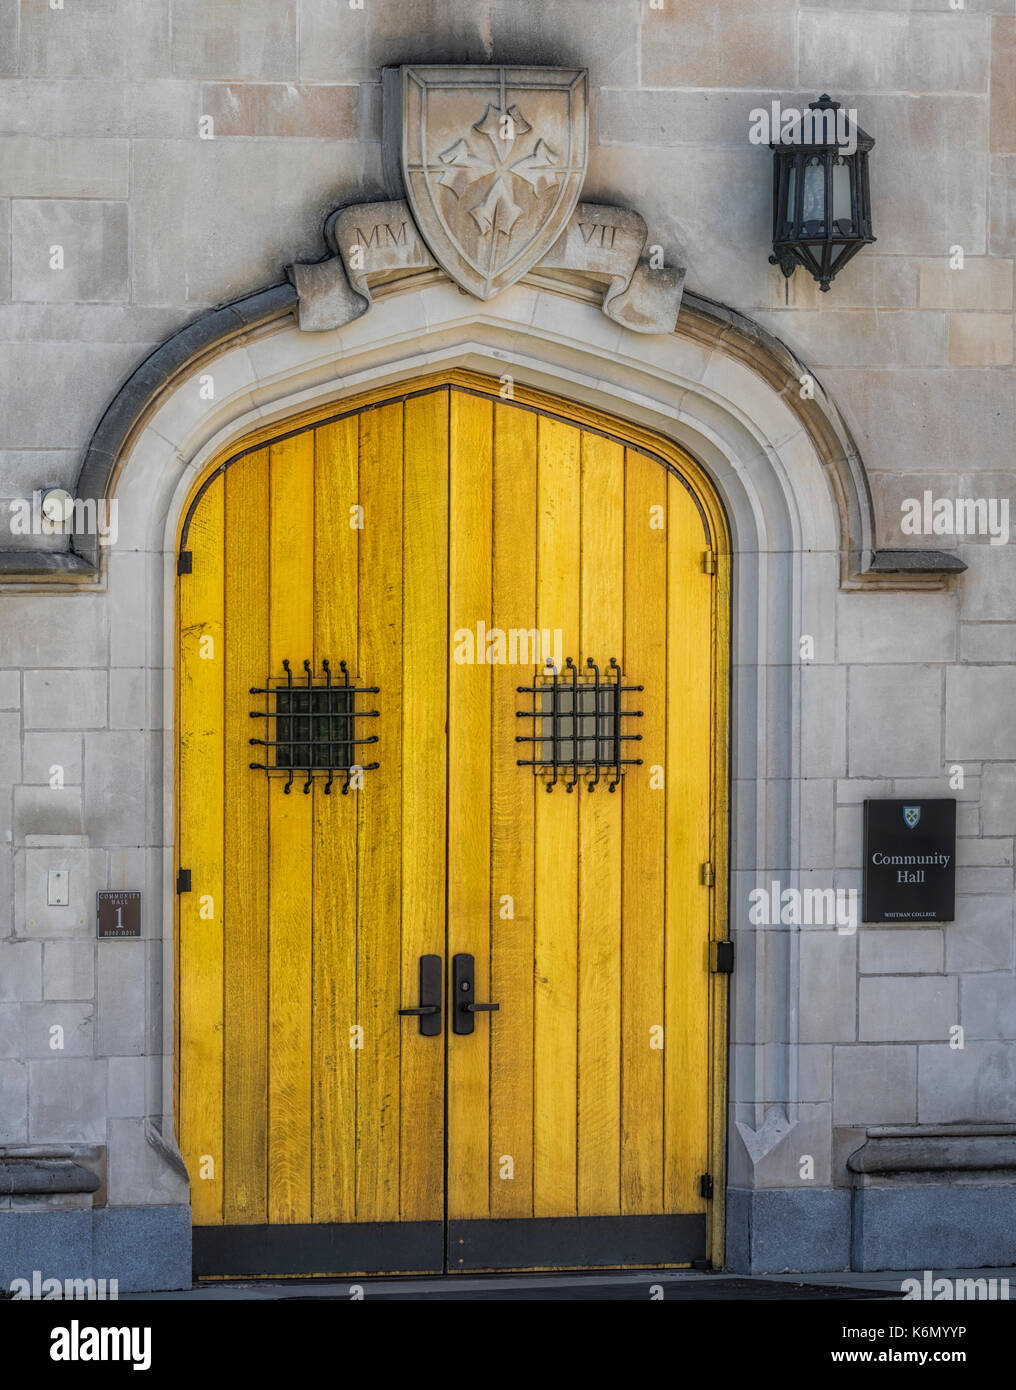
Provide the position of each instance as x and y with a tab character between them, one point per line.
821	198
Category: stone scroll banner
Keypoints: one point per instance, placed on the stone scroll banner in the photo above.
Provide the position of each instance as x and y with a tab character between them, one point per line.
379	241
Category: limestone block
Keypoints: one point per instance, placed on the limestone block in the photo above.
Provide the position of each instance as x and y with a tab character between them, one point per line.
10	748
115	38
138	1173
862	337
1002	130
57	1029
8	37
45	752
87	874
897	951
115	787
915	134
1002	203
998	799
895	720
92	237
982	286
817	821
68	969
988	1006
127	698
979	701
46	811
823	721
67	1101
722	45
236	238
602	35
62	107
811	1138
982	642
11	1044
891	52
981	938
32	167
280	110
128	605
5	248
120	1023
20	971
915	1008
13	1102
82	375
10	690
126	1087
54	630
895	627
980	340
988	592
214	38
874	1085
828	986
65	699
974	1083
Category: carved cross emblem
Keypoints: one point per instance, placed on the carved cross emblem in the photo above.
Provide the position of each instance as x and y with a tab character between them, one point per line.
471	160
492	195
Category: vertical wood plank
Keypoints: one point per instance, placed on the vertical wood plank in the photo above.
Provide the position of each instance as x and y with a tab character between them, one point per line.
556	855
379	863
513	791
245	906
424	714
599	946
644	840
333	1062
469	732
201	779
291	628
689	736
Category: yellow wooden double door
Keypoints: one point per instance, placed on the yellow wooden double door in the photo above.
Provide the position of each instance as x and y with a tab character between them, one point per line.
579	1124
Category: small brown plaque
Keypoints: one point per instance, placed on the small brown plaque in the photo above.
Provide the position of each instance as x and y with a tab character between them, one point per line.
118	912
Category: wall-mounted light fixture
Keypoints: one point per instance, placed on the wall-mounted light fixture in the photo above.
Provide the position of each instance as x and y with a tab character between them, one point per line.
821	198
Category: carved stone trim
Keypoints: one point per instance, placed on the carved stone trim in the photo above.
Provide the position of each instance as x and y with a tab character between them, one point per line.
929	1153
376	242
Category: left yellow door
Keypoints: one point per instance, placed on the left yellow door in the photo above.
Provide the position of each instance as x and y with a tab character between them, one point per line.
310	1115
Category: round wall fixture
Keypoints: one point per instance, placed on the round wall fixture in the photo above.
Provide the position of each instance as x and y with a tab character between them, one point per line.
57	505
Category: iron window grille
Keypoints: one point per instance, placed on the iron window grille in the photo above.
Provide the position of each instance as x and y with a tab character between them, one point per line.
577	726
312	725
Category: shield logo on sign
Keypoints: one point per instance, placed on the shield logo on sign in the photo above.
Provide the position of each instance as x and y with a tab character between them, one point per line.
492	164
911	814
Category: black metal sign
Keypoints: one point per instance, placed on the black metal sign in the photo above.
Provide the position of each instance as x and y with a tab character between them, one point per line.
118	912
909	860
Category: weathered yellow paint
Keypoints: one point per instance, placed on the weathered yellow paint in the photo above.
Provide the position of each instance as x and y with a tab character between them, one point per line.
245	832
201	793
521	513
599	919
469	685
333	1063
556	858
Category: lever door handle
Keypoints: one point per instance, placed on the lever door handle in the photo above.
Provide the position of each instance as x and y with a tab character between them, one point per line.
463	1007
429	1009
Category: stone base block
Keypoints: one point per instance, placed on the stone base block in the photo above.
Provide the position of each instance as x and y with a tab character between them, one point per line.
933	1226
778	1230
143	1248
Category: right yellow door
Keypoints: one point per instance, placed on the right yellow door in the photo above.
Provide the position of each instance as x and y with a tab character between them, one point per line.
580	1112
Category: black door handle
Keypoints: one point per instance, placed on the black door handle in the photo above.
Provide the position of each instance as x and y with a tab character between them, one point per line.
429	1010
463	1007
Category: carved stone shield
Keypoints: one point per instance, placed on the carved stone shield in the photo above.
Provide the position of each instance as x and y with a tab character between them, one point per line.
493	160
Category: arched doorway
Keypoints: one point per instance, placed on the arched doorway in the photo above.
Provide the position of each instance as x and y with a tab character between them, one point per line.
443	541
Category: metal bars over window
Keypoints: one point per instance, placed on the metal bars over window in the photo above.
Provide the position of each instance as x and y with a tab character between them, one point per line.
577	726
311	725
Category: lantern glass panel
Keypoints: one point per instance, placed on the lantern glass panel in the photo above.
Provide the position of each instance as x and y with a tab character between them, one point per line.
841	194
813	210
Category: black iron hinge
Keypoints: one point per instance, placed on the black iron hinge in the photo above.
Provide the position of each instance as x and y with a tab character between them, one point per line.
705	1186
183	884
721	957
185	562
